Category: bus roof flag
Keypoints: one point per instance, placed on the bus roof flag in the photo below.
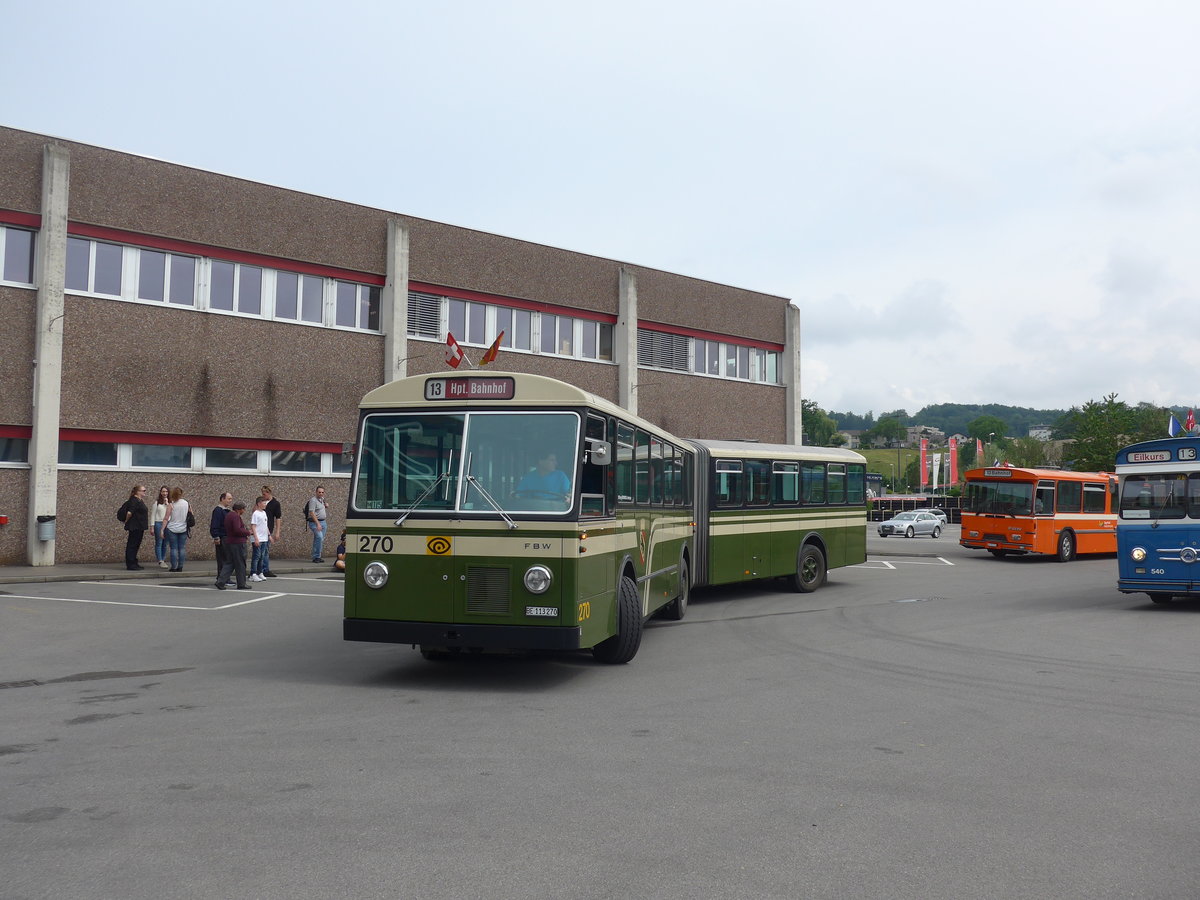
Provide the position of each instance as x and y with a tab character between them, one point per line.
1190	425
492	351
454	354
1174	429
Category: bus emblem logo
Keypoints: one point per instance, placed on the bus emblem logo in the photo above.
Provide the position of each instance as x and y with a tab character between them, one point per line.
439	546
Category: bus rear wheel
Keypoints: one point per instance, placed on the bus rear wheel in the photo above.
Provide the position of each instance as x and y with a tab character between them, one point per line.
810	569
1066	547
623	646
677	608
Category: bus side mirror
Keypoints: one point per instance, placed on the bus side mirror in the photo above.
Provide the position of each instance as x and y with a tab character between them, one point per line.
599	452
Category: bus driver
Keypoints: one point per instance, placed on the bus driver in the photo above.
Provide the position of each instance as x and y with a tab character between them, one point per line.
546	481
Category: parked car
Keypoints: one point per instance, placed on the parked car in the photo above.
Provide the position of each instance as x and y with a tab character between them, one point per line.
940	513
912	523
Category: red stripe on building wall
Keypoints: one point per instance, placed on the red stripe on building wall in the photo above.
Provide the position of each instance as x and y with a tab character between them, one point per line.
710	336
16	431
223	253
513	302
12	217
189	440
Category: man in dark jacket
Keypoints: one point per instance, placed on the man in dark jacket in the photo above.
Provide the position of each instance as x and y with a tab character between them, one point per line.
216	527
137	520
234	542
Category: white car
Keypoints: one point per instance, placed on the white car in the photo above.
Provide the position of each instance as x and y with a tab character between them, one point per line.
941	514
912	523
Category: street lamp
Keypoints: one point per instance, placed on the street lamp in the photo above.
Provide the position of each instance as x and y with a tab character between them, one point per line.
893	465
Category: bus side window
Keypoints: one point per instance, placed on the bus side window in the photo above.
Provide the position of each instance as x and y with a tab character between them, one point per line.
1068	497
812	482
856	485
624	463
1093	498
594	499
836	474
786	488
728	487
758	477
1043	503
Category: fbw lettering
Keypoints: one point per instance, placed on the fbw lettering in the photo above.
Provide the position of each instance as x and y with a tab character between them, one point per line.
538	545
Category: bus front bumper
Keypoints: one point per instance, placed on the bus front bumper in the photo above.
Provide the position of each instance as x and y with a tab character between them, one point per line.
1156	587
441	634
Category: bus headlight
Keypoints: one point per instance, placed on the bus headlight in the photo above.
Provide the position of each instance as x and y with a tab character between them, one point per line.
1138	554
537	579
375	575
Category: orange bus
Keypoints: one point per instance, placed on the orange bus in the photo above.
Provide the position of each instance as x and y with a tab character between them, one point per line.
1008	512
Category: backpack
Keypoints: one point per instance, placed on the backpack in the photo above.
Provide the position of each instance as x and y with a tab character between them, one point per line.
304	515
121	512
191	520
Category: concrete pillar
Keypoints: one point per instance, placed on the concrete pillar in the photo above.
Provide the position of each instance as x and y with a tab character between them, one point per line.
48	349
625	341
791	376
393	303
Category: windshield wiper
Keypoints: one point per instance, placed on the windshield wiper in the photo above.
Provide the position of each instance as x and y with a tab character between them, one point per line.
1158	512
474	482
425	493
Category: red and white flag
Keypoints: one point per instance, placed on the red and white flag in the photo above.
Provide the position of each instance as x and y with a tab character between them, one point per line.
454	353
924	461
953	476
1191	421
492	351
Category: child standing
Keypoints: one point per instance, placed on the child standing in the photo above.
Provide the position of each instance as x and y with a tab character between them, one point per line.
261	535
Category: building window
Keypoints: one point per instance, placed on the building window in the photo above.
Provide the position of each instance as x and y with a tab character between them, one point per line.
14	450
16	255
230	459
235	288
356	306
87	453
424	315
94	267
661	350
295	461
154	456
166	276
298	297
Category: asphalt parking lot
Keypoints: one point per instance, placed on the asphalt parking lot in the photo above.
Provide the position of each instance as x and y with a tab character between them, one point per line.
933	724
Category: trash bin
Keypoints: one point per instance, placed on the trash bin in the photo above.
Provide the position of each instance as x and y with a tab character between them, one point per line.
45	528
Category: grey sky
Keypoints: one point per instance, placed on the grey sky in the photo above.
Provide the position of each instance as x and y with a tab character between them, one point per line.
992	202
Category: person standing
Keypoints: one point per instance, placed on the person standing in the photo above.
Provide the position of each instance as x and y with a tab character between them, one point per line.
176	529
234	542
274	513
136	522
158	521
261	535
317	522
216	527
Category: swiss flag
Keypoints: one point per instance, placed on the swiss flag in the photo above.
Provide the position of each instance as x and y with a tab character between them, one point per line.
1191	421
454	354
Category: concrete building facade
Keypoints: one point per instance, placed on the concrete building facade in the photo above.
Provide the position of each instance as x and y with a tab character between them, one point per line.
168	325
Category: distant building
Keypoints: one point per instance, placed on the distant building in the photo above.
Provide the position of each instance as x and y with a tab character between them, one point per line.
935	436
1041	432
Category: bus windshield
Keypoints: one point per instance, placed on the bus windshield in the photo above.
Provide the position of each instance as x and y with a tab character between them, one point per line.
1160	495
1009	498
481	462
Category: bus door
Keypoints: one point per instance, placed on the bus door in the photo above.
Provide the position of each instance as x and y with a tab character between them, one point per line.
757	535
726	528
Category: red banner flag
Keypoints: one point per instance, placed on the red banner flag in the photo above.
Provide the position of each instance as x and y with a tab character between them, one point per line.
454	354
978	451
1191	421
492	351
924	462
953	477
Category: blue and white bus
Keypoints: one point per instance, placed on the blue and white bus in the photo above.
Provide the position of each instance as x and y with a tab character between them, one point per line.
1158	531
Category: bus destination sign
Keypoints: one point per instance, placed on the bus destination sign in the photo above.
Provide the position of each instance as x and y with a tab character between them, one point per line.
1150	456
997	473
470	387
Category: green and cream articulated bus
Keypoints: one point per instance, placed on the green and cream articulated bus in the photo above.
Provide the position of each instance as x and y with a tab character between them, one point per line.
513	511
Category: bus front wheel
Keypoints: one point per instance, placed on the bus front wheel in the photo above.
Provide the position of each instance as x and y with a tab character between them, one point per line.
810	569
1160	598
1066	547
623	646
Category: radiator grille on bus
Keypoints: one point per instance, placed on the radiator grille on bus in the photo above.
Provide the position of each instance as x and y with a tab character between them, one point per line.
488	591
